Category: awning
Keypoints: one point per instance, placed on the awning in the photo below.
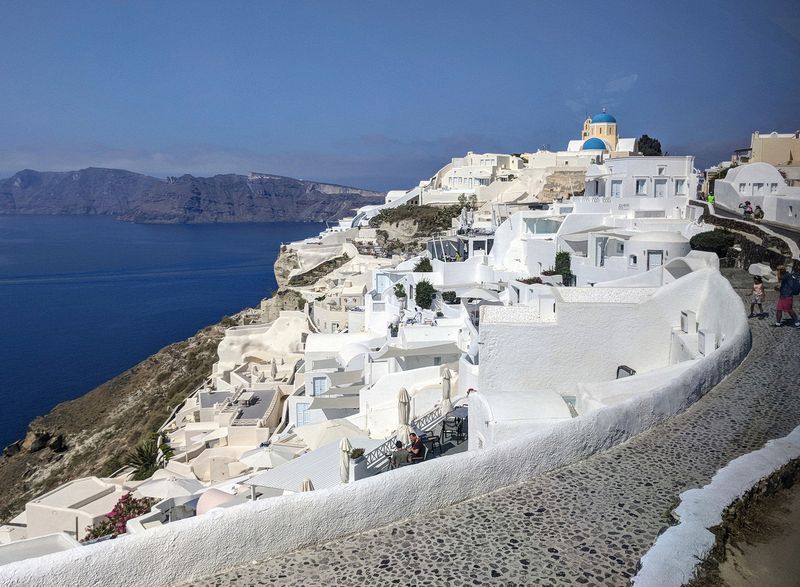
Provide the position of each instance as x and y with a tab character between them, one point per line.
478	293
330	403
432	350
215	435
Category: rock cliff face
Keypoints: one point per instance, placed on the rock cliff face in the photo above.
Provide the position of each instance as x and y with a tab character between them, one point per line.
92	434
186	199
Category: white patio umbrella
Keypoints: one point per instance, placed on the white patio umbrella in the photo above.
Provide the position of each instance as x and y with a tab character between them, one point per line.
265	458
403	415
273	370
479	293
307	485
344	460
169	487
446	405
322	433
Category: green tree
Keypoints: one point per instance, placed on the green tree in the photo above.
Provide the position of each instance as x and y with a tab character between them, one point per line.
424	294
650	147
423	266
145	459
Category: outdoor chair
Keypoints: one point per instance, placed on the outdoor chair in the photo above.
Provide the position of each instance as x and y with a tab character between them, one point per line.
423	457
434	439
453	427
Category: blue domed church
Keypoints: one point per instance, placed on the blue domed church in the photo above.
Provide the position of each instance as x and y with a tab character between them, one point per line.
600	136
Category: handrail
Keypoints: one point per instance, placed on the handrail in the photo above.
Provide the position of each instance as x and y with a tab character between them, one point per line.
378	456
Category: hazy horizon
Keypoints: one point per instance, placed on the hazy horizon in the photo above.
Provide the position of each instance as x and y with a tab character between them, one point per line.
381	96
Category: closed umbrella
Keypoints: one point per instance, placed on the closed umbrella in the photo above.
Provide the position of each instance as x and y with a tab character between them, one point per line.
344	460
169	487
403	415
307	485
274	369
446	405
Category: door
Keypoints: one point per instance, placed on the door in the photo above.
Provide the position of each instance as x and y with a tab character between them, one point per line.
661	188
600	251
654	259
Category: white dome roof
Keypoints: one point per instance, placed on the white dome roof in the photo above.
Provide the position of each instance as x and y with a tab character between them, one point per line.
659	236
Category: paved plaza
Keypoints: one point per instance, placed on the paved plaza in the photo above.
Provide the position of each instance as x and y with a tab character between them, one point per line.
588	523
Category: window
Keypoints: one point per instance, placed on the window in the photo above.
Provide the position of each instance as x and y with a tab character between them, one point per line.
301	412
632	260
742	187
641	187
773	188
620	248
661	169
758	189
680	187
616	188
437	361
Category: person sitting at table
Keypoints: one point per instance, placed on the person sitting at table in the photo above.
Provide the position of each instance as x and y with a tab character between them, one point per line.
417	449
400	455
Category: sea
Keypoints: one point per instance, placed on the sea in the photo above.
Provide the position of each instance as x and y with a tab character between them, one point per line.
83	298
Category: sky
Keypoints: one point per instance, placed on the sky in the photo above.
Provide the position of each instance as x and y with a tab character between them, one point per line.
381	94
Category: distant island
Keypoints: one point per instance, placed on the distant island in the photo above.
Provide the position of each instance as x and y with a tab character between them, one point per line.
134	197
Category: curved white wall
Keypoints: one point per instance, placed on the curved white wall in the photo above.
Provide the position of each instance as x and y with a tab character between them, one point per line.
223	538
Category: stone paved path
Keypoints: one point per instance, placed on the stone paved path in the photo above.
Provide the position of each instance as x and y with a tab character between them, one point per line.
588	523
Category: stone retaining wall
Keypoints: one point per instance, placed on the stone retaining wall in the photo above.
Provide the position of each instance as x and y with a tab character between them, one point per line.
772	250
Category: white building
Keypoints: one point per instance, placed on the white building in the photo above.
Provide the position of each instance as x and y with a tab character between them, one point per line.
564	352
762	185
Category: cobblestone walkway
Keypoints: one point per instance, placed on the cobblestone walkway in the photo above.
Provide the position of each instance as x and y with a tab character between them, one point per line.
588	523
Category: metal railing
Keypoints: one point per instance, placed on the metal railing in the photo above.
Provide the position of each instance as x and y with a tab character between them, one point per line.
379	456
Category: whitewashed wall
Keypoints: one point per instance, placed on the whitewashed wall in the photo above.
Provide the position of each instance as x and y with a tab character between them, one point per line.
224	538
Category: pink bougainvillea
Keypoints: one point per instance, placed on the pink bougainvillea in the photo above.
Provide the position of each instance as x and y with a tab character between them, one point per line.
127	508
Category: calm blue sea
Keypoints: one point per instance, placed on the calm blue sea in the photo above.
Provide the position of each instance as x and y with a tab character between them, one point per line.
84	298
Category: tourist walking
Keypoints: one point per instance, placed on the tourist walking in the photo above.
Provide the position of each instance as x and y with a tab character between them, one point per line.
747	210
789	285
758	214
757	296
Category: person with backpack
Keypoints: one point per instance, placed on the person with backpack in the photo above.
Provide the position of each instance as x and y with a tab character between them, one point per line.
758	214
789	286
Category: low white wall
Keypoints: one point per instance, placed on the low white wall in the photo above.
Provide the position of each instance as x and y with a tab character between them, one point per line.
672	560
224	538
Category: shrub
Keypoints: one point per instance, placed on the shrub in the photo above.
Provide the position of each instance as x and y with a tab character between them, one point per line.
423	266
127	508
429	219
450	297
424	294
716	241
531	280
399	290
563	264
356	452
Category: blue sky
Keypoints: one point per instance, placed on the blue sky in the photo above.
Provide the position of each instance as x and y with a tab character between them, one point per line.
380	94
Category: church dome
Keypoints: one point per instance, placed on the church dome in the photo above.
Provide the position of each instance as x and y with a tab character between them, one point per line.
594	144
603	117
